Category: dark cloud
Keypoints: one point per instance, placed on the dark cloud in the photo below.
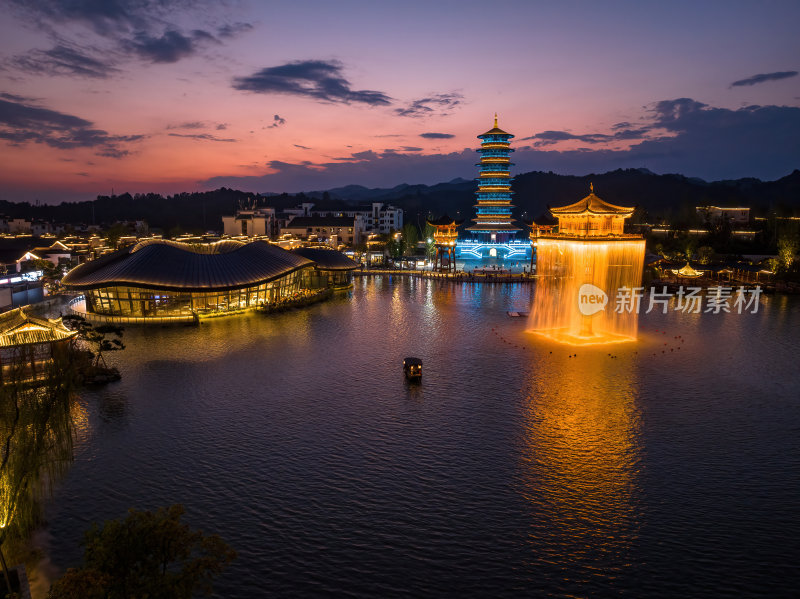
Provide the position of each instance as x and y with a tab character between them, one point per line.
188	125
63	59
434	104
169	47
21	122
277	121
108	18
437	135
15	98
628	134
141	28
549	138
365	155
113	152
685	137
411	149
222	126
233	29
763	77
105	17
301	147
201	136
318	79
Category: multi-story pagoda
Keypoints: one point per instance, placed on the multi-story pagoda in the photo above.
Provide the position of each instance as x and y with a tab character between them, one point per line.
445	235
493	222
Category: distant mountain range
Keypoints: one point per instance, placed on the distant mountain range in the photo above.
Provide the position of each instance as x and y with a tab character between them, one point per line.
669	196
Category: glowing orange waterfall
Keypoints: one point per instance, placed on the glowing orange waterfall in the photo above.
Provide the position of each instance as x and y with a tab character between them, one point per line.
581	269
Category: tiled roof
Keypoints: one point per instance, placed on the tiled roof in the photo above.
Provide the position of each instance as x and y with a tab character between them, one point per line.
593	204
444	221
17	328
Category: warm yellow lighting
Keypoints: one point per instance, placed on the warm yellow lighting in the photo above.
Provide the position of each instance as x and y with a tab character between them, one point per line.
688	272
564	265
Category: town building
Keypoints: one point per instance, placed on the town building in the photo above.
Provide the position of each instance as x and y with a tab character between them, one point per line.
331	230
166	281
377	218
714	214
258	222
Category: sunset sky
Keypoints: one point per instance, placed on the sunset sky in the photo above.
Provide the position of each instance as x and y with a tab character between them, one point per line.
174	95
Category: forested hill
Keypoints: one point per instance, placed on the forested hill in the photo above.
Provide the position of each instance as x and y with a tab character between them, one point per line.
670	196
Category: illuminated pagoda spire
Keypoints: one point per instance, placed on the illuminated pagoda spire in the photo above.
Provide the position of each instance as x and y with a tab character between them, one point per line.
493	215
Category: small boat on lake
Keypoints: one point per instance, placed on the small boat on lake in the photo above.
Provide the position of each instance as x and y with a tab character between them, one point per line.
412	368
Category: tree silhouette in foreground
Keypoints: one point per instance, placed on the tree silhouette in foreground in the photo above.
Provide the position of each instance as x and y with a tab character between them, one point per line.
147	554
98	339
35	449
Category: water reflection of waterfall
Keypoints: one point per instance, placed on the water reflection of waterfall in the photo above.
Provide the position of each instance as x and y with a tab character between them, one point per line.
36	449
580	457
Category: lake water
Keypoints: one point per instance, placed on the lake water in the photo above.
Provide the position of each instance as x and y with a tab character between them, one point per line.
670	470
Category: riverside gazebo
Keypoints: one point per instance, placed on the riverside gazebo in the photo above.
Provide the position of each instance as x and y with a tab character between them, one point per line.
687	272
445	236
28	346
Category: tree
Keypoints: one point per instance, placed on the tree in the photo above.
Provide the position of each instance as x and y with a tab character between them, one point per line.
689	247
394	244
787	246
142	229
49	270
148	554
99	339
704	254
35	446
430	245
116	231
410	239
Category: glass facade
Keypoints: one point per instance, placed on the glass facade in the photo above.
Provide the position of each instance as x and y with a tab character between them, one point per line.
135	301
322	279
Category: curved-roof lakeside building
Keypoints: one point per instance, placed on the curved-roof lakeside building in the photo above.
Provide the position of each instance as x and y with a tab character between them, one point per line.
331	268
158	278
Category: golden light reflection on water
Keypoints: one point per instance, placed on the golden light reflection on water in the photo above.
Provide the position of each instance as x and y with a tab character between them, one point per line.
81	426
579	460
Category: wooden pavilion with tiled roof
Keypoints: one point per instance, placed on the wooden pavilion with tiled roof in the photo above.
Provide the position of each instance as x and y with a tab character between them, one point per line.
591	217
445	235
28	345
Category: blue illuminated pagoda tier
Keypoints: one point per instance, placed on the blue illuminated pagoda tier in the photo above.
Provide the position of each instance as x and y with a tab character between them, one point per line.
493	222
